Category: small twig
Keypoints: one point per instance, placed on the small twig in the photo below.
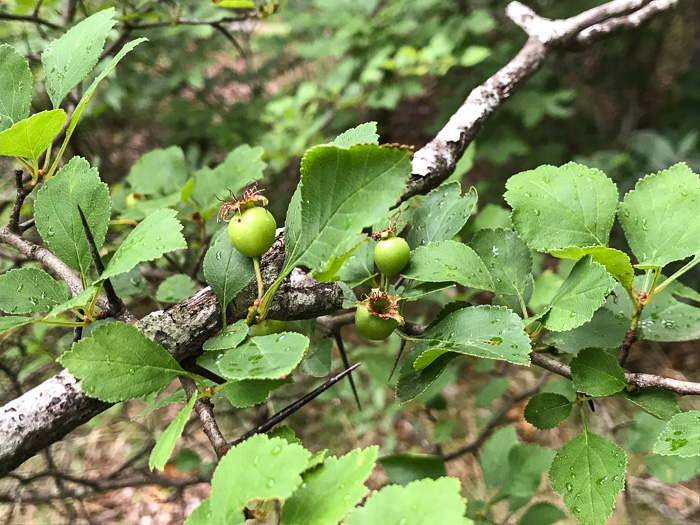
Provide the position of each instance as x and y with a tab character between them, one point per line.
495	421
200	258
344	356
289	410
27	225
205	411
22	192
227	34
116	305
29	18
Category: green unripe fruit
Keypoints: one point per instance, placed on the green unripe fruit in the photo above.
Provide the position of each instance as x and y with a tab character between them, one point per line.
252	231
269	326
391	255
372	326
133	199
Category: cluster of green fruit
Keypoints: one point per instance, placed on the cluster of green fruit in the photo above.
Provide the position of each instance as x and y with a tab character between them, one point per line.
252	232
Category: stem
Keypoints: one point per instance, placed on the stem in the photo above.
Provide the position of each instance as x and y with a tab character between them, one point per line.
523	307
631	335
62	323
695	260
47	159
258	276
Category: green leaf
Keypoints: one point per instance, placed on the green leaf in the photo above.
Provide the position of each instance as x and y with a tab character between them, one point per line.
526	464
241	166
236	4
249	392
87	95
642	432
672	469
661	404
118	362
571	205
57	217
157	234
413	383
226	270
317	362
507	259
494	457
179	396
547	410
230	337
202	515
264	357
681	437
340	192
402	469
331	490
581	294
605	330
77	301
448	261
30	137
441	215
363	134
15	87
159	172
69	59
166	444
30	290
272	466
588	471
9	322
659	216
491	332
359	266
617	263
494	389
175	288
597	373
330	273
423	502
542	513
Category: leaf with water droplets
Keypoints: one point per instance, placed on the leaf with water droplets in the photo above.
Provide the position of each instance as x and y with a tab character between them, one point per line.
166	443
15	87
506	257
118	362
555	207
660	216
57	217
547	410
30	290
441	215
588	471
273	468
423	502
70	58
581	294
596	372
681	437
230	337
448	261
157	234
491	332
264	357
226	270
29	138
617	263
328	492
605	330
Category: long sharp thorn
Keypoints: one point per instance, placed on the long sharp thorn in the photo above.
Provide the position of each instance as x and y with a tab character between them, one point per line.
191	365
114	301
396	359
290	409
346	363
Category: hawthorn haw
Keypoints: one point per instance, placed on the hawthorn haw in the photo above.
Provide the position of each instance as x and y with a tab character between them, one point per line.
377	317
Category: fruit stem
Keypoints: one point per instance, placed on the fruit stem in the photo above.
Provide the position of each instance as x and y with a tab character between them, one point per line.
258	276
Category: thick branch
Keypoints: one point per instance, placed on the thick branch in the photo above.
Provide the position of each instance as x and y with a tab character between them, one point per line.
205	411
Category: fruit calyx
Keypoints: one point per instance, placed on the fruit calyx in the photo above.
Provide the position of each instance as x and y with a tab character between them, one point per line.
251	196
383	305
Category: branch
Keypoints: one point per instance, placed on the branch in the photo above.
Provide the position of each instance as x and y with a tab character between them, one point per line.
29	18
436	161
682	388
205	411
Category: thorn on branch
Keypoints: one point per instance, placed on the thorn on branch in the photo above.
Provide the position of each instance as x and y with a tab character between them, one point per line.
290	409
346	363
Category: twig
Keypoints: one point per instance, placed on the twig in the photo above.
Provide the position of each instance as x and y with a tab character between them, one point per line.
22	192
29	18
27	225
396	359
495	421
344	356
289	410
205	411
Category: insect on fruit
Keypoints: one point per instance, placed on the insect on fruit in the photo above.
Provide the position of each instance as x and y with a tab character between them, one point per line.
252	228
391	252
